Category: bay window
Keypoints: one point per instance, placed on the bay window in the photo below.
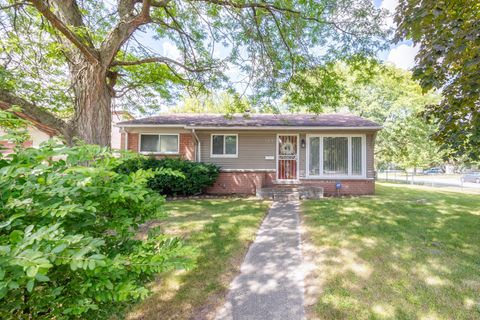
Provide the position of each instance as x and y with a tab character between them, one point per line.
336	156
159	143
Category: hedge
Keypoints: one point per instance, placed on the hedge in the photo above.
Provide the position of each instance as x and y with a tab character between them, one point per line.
174	176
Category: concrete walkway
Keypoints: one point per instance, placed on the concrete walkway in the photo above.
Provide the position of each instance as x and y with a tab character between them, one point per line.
270	285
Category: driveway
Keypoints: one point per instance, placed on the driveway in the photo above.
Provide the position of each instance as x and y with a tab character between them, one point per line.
270	285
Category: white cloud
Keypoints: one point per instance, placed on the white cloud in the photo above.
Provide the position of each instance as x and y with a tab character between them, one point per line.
170	50
403	56
390	5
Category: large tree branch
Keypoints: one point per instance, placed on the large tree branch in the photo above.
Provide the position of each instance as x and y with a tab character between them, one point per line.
163	60
44	9
250	5
13	5
35	114
129	22
70	14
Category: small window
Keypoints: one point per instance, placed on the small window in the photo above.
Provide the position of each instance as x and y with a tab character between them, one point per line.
356	156
224	145
159	143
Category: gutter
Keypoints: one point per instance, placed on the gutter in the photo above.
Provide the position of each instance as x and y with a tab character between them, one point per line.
283	128
187	127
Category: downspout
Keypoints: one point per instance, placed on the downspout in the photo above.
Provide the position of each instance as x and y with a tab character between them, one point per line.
199	149
122	130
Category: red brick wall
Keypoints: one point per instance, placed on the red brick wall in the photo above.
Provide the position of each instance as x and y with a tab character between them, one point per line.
238	182
132	143
186	151
187	146
349	187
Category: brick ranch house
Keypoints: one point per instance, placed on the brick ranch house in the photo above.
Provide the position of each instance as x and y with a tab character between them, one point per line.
264	150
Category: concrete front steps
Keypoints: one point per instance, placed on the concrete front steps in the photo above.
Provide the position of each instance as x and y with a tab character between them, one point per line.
286	193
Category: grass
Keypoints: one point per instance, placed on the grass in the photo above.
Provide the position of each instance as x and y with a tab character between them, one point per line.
221	230
405	253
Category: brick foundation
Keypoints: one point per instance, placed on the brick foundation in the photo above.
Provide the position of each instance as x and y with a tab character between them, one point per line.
240	182
349	187
248	182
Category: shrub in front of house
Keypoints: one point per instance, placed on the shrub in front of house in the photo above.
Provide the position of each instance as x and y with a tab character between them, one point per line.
174	176
68	245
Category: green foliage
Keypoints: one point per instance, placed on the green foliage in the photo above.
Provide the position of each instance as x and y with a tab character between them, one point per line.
381	93
67	235
225	102
448	60
13	127
197	43
174	176
407	143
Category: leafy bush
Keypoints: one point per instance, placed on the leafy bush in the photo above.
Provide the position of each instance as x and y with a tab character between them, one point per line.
68	245
174	176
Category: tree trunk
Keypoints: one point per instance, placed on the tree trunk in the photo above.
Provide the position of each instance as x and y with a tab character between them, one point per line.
93	101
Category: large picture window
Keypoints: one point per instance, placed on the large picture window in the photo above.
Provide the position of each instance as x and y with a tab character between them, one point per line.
224	145
159	143
336	156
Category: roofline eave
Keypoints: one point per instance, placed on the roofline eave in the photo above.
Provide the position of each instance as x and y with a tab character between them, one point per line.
324	128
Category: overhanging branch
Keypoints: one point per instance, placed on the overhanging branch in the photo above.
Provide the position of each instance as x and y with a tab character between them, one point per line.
44	9
129	22
163	60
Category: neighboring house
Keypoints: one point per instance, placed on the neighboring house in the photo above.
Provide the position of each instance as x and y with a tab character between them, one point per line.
118	116
40	133
260	150
37	133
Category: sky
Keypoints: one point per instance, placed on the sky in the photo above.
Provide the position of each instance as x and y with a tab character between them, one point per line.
403	54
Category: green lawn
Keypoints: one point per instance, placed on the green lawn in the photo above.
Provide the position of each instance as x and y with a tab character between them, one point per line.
221	230
405	253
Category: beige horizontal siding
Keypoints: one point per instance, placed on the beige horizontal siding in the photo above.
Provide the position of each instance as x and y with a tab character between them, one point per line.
254	146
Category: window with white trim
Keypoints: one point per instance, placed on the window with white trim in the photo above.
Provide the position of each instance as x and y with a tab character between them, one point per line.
336	156
224	145
159	143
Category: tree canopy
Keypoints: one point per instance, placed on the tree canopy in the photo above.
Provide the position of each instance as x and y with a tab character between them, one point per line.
447	34
67	61
382	93
223	102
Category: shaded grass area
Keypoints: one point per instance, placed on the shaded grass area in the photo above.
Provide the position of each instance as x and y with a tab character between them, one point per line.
221	230
405	253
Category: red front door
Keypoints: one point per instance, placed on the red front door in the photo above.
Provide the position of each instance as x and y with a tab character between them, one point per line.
287	157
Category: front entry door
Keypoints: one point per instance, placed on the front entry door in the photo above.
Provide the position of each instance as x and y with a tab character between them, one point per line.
287	157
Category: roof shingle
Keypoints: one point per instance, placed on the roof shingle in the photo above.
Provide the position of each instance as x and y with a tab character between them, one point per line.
255	120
